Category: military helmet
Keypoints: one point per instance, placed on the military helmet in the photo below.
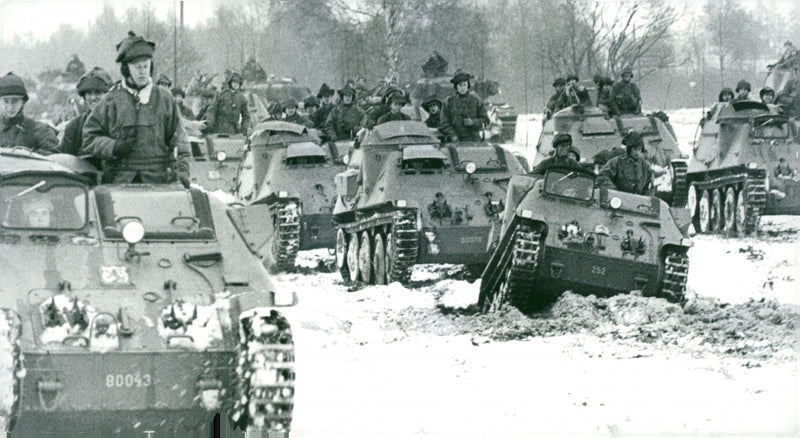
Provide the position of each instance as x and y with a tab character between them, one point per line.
743	85
95	79
235	77
310	101
559	82
633	140
178	91
12	85
347	89
562	138
766	90
626	71
725	91
324	90
574	150
429	101
461	76
134	47
163	80
289	103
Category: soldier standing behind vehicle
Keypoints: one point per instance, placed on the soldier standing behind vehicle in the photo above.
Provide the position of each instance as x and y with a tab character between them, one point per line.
626	94
630	172
553	105
463	113
137	127
433	106
562	143
343	120
91	87
15	128
228	112
395	114
320	116
742	91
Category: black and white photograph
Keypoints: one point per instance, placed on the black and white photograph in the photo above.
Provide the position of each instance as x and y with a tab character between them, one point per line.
399	218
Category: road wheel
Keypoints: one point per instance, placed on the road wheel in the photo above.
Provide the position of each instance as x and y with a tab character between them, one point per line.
352	257
729	211
704	212
741	213
341	254
716	210
379	259
365	258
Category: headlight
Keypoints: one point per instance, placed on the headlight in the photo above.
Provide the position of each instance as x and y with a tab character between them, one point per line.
401	203
283	194
133	232
615	203
527	214
470	168
752	165
221	156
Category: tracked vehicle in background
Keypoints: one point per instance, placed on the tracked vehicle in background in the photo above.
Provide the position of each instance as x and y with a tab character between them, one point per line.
733	177
214	160
561	233
288	170
406	199
598	138
118	317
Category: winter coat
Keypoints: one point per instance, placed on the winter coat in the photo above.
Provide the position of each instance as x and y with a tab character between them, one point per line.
320	116
627	174
627	97
228	114
456	109
391	117
342	122
22	131
433	120
554	161
296	118
576	97
605	98
161	149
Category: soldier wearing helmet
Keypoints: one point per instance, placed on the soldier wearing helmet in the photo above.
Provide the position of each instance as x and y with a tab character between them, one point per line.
433	106
463	113
553	106
378	111
206	97
290	113
320	115
574	94
137	128
343	120
179	96
91	87
15	128
626	94
767	96
228	113
164	81
562	144
395	114
630	172
726	95
605	100
742	91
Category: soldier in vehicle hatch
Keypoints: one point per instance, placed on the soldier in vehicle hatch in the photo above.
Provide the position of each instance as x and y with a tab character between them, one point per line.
630	172
433	106
290	113
562	143
137	126
396	103
553	105
91	87
463	112
626	94
228	113
15	128
742	91
343	121
320	116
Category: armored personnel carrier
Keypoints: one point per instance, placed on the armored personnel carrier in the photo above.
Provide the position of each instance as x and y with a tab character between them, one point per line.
118	316
599	138
735	177
286	169
561	233
410	200
214	160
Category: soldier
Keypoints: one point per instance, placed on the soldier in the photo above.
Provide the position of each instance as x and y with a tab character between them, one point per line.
377	111
742	91
310	105
433	106
726	95
179	95
463	113
574	94
15	128
562	144
626	94
91	87
630	172
290	113
137	127
605	99
228	112
396	103
784	171
163	81
206	97
767	96
552	106
320	116
343	120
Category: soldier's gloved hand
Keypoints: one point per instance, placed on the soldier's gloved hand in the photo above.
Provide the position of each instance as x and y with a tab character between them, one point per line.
468	121
124	146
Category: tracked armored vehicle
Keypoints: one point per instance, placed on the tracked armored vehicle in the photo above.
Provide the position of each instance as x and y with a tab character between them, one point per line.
733	177
286	169
561	233
406	199
599	138
133	307
214	160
